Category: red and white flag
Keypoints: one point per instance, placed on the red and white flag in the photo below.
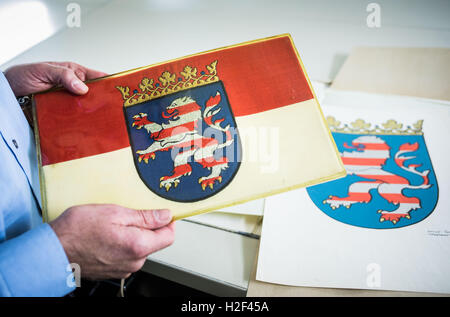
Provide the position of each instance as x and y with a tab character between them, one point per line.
194	134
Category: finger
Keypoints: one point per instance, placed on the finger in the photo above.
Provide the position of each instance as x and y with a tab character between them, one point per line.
82	72
67	78
162	238
92	73
147	219
145	242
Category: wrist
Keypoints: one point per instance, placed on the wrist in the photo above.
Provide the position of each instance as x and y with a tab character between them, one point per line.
59	231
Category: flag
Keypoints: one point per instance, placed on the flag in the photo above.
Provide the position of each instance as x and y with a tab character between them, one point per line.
193	134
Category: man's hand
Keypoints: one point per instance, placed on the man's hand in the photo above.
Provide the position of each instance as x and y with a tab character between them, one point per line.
30	78
110	241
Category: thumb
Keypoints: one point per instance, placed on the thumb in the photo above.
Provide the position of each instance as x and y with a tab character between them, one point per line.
68	79
149	219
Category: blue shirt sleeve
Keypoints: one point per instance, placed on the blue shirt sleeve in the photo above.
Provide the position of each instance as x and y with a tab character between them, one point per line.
34	264
32	259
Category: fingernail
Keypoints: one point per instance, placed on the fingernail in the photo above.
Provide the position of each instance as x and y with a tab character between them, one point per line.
79	86
162	215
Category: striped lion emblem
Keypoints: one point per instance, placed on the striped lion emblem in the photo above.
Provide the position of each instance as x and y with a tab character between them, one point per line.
390	181
185	144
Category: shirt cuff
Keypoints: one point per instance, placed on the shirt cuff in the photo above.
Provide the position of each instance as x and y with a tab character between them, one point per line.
35	264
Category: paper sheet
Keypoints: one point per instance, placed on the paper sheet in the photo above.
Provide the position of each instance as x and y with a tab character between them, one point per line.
301	245
238	223
253	207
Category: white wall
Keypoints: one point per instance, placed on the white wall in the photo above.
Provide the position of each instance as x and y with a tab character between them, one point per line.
127	34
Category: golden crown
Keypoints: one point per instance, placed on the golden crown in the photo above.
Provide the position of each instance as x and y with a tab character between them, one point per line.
168	84
359	126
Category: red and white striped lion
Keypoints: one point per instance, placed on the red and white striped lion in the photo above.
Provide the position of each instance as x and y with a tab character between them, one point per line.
181	135
368	161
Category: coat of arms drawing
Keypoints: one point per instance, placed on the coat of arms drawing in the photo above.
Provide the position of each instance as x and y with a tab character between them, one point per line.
390	180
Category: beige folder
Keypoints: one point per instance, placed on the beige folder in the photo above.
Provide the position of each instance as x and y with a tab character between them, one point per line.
418	72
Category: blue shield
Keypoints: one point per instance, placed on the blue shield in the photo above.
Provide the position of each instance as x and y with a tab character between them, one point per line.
185	145
390	182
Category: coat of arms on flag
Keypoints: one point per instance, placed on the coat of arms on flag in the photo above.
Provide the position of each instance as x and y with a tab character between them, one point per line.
166	135
182	133
390	181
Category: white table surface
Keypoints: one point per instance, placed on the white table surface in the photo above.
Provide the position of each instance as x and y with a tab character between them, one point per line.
121	35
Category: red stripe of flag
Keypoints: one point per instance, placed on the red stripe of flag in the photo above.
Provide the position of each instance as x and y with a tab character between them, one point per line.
257	77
